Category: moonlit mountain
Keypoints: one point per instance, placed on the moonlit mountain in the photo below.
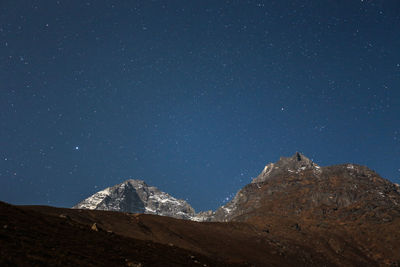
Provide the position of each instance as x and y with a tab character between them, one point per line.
135	196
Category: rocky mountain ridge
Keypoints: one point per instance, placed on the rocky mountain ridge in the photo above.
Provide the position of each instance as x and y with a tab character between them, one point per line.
135	196
339	186
300	185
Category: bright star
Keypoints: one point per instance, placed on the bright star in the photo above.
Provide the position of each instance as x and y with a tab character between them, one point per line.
77	148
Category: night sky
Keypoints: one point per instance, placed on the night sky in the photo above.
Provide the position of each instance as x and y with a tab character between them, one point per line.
194	97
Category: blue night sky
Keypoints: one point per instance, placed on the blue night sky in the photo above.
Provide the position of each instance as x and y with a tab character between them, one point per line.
194	97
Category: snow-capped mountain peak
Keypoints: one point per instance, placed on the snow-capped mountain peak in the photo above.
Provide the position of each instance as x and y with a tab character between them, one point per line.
137	197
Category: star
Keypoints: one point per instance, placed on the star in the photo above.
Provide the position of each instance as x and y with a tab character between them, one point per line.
77	148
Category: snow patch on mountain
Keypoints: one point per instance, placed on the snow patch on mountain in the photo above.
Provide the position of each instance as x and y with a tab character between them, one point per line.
93	201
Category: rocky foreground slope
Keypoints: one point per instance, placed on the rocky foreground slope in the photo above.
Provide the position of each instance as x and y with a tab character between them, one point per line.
47	236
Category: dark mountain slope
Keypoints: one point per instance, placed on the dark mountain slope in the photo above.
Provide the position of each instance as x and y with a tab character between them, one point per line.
32	238
53	236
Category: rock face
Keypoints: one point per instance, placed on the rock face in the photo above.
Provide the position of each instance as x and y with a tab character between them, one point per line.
295	164
333	209
295	184
136	196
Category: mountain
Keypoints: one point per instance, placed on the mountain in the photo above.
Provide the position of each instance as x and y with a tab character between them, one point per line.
346	214
135	196
294	165
294	213
295	185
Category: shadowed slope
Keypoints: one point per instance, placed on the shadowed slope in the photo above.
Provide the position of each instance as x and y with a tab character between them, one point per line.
47	235
29	238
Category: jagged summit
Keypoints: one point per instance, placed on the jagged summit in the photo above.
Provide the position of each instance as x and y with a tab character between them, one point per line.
137	197
296	163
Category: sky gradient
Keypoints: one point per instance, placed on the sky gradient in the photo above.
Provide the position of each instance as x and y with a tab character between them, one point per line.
194	97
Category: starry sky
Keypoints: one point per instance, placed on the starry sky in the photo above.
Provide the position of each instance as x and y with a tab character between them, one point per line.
194	97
